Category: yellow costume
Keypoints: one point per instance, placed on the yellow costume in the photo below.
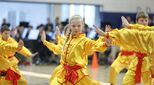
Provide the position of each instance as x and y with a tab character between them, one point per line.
61	40
140	27
8	76
141	43
14	61
122	61
124	58
74	58
57	49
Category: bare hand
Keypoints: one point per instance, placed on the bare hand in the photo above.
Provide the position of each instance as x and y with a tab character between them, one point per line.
98	30
125	23
34	54
20	45
108	28
43	36
57	31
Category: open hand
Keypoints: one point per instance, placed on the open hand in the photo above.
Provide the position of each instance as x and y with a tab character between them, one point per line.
20	45
125	23
57	31
43	36
98	30
34	54
108	28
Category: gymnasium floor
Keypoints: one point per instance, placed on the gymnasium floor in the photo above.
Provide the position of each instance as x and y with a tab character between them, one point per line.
39	75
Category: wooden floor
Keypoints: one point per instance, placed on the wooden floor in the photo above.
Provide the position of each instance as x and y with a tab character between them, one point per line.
39	75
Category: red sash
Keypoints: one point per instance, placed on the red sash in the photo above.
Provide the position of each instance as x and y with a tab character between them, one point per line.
12	76
71	73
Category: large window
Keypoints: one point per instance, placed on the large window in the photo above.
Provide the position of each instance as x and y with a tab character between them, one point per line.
86	11
33	13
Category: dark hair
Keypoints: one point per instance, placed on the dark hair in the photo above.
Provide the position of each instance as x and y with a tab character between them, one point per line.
141	15
5	28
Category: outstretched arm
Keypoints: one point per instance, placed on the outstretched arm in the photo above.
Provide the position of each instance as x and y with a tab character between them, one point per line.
6	48
51	46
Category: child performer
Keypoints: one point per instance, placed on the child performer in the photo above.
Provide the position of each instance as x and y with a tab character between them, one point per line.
8	76
74	56
141	44
5	36
125	57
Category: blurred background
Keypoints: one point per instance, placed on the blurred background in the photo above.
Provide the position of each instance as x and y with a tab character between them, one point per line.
27	18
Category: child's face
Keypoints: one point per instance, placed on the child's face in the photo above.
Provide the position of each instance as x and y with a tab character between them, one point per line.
6	35
76	26
143	21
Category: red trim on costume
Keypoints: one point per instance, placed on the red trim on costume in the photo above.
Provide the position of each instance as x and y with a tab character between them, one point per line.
129	27
66	52
107	35
127	53
12	76
71	73
10	57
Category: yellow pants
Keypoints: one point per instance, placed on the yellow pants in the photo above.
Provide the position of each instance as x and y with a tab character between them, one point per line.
129	78
119	64
14	67
21	81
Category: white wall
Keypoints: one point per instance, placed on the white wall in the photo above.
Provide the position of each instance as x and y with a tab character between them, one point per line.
127	5
57	10
33	13
96	2
108	5
37	13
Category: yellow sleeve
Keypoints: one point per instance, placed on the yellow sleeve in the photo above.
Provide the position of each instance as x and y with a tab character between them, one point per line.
25	52
149	28
130	39
4	64
141	41
133	38
91	46
7	48
140	27
117	37
136	26
57	49
61	40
